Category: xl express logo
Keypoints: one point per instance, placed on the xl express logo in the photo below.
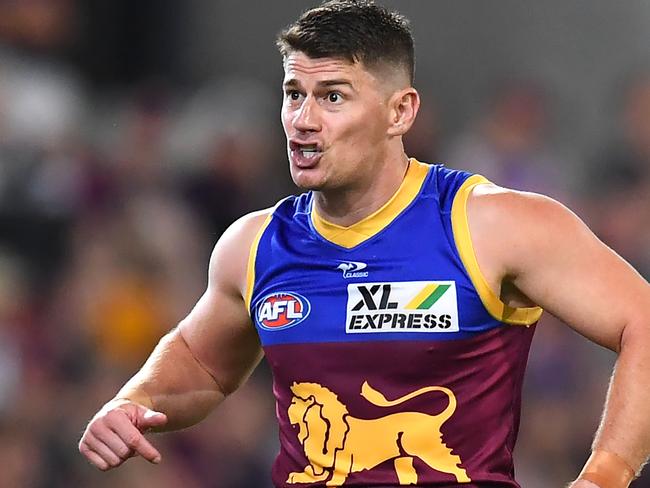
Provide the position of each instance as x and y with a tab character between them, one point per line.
282	310
408	306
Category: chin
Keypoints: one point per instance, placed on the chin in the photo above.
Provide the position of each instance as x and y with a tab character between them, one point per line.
308	180
308	185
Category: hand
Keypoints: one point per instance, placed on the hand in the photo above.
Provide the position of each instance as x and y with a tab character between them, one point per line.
116	433
583	484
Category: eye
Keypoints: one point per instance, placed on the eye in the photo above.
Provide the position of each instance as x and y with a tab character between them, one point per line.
334	97
292	95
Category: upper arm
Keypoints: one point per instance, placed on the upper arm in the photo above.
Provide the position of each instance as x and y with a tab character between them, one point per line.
552	258
218	330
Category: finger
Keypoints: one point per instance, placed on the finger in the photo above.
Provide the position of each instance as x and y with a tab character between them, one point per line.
152	419
103	450
135	440
94	458
144	448
113	440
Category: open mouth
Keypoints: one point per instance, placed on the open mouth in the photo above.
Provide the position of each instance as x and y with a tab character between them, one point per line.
306	150
305	155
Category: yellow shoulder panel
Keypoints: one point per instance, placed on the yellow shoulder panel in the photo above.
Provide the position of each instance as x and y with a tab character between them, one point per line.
252	255
495	307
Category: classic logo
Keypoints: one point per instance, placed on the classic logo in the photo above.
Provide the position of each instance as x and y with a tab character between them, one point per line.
353	269
407	306
337	444
282	310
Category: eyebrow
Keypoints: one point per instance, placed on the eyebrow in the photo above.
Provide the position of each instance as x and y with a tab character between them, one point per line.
295	83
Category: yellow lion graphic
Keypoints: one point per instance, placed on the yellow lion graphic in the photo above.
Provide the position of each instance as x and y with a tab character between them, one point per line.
337	444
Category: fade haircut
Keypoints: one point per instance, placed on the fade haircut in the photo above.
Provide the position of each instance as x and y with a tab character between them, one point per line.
353	30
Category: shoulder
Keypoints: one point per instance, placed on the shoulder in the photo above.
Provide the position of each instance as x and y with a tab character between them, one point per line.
229	259
235	245
244	229
514	208
447	182
552	259
511	227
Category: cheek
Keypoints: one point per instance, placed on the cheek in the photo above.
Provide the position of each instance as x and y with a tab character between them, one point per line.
363	133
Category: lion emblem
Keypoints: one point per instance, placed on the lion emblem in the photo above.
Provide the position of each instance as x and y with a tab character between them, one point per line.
337	444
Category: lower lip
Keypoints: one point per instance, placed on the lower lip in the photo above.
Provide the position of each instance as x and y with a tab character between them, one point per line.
303	162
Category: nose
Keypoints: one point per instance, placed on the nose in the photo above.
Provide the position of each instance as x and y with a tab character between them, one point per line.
306	118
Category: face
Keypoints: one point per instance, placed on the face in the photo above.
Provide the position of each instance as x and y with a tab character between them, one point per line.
335	115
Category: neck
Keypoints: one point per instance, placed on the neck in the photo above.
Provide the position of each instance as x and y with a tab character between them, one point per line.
348	206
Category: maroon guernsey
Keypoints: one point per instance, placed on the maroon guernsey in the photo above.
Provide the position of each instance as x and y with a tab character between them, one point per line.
394	364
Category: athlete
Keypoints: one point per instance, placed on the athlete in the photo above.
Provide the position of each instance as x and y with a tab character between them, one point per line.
395	301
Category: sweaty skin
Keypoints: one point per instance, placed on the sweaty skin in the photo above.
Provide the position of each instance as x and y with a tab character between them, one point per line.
530	249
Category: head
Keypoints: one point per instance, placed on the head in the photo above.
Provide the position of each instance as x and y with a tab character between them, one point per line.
348	94
322	421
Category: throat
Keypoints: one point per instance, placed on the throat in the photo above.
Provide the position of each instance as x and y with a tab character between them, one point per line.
346	207
343	212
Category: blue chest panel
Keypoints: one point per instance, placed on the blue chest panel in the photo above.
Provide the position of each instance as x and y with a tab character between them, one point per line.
406	282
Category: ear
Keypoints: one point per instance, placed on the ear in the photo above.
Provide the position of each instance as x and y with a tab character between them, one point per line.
404	105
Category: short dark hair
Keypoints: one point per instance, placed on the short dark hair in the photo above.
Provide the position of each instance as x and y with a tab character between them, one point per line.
354	30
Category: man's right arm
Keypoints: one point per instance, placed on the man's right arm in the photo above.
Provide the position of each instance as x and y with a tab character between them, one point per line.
192	369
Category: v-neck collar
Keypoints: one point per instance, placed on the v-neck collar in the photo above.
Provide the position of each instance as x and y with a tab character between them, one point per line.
359	232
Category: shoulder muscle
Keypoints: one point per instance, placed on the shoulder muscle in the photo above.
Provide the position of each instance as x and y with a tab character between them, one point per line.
551	256
229	260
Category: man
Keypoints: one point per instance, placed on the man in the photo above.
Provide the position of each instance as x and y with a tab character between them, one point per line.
395	302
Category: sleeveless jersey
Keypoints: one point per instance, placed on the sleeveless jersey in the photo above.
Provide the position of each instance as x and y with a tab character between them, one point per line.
393	362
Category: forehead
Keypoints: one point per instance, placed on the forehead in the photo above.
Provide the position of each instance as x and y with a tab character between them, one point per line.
298	67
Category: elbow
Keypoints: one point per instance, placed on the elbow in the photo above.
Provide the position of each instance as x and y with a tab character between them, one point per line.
635	335
210	382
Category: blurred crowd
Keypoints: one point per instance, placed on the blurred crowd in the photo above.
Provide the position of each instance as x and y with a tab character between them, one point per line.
111	201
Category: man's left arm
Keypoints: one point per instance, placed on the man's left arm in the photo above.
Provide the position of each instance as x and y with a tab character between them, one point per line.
554	261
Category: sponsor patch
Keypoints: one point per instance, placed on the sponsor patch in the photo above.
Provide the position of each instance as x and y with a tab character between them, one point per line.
282	310
407	306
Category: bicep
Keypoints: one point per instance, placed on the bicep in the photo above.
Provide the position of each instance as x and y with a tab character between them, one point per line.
219	331
577	278
220	335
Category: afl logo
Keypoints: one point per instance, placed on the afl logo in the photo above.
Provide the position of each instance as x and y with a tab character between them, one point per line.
282	310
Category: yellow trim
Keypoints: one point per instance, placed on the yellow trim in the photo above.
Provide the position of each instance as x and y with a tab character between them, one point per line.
495	307
355	234
252	255
420	297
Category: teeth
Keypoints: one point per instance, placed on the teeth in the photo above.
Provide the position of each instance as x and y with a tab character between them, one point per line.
309	153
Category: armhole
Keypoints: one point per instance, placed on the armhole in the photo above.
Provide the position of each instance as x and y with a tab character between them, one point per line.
252	257
463	240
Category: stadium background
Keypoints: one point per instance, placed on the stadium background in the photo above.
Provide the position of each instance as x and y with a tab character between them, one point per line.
132	133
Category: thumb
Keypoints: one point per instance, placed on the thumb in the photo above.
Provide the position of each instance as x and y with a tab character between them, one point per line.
151	418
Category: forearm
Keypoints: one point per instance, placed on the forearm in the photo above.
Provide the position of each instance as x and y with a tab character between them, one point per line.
173	382
625	426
